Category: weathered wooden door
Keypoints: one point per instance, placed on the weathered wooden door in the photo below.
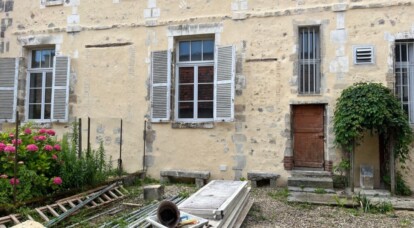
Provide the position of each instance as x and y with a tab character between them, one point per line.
308	136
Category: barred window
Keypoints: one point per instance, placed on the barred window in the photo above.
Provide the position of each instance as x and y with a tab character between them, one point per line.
309	61
404	76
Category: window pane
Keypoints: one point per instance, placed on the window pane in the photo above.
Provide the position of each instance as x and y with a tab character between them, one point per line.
47	111
36	58
186	74
46	55
186	92
206	74
208	50
196	50
35	96
184	51
205	92
36	80
49	78
48	95
34	111
186	110
205	109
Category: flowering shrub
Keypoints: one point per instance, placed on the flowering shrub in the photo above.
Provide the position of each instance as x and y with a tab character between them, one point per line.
38	164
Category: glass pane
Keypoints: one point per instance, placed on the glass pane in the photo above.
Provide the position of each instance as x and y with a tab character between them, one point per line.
196	50
405	93
45	59
205	92
186	74
35	96
49	78
48	95
36	80
184	51
186	93
205	109
36	57
206	74
47	111
208	50
35	111
185	110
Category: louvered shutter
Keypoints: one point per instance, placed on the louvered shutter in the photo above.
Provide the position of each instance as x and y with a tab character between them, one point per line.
9	71
60	94
160	85
225	64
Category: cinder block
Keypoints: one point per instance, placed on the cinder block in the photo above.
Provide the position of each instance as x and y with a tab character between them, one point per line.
153	192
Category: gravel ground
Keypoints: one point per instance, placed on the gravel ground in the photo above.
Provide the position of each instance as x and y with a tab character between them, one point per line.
270	209
274	211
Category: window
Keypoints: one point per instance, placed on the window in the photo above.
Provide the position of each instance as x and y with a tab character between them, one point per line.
363	54
195	80
309	61
204	82
404	76
40	84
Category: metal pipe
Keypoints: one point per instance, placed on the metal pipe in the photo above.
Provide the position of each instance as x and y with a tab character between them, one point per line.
120	152
89	136
80	138
16	145
145	139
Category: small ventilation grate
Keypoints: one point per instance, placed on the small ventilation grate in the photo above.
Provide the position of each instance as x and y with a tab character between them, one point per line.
364	55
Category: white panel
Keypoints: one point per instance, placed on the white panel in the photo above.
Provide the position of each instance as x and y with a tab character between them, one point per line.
60	93
9	68
160	86
224	83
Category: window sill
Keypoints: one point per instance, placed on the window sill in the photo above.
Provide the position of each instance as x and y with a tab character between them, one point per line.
54	3
200	125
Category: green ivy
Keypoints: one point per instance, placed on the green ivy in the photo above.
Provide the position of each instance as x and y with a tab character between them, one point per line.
373	107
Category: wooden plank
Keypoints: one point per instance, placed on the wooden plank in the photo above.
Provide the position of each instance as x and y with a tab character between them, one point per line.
14	219
42	215
52	211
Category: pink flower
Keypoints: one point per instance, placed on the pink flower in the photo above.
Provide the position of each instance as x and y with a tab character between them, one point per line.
32	147
2	146
51	132
48	148
27	131
10	149
4	176
40	138
14	181
57	147
54	157
11	135
57	180
42	131
19	141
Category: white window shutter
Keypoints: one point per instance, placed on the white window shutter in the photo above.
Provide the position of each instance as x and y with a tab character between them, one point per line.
225	64
60	91
9	72
160	86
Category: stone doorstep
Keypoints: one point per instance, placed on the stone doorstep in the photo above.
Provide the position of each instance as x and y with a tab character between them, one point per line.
308	173
312	182
310	190
185	174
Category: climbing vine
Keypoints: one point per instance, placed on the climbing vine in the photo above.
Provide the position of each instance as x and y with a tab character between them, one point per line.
371	106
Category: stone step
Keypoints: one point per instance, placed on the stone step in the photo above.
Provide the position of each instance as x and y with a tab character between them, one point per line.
312	190
310	173
311	182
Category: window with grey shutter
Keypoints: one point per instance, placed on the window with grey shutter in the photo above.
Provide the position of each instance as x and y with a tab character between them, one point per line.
9	68
224	84
60	92
364	55
160	85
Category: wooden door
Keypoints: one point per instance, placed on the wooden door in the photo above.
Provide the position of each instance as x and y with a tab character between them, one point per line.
308	136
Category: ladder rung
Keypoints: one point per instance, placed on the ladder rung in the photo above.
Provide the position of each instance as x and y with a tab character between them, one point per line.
100	199
30	217
71	203
112	194
119	192
14	219
106	197
42	215
52	211
63	208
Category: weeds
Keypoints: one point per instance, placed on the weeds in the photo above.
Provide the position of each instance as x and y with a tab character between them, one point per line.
368	207
320	191
281	194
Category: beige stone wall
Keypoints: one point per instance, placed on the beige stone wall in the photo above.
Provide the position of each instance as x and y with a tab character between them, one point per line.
112	82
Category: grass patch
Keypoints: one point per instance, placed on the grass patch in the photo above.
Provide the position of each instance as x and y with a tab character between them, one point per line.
320	191
280	194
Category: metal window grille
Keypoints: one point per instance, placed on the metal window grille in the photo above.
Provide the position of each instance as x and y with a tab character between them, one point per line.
309	61
404	76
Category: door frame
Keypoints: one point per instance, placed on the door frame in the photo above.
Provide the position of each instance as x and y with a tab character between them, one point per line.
325	132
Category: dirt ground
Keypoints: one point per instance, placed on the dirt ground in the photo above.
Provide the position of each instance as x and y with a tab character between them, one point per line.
270	209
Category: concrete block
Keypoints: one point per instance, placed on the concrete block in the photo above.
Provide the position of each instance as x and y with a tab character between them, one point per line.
340	7
258	176
153	192
199	182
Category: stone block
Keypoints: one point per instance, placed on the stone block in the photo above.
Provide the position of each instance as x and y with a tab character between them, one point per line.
258	176
153	192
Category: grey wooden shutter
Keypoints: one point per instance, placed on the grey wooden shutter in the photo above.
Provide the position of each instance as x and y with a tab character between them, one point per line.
60	92
9	71
224	83
160	85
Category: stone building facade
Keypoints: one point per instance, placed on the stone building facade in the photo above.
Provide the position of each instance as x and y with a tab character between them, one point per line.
226	86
